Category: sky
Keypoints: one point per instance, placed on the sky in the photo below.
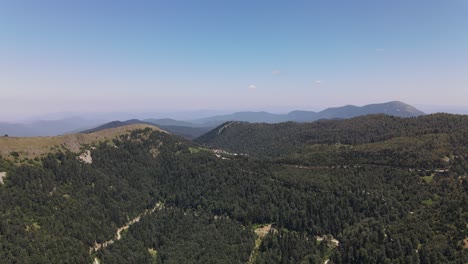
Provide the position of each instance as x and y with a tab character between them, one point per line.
140	56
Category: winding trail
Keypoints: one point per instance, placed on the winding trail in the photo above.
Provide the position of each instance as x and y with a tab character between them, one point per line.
118	234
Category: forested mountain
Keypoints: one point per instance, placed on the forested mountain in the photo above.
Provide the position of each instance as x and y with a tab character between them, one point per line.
373	189
274	140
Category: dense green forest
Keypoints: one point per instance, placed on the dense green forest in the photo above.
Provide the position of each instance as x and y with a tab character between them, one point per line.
275	140
374	189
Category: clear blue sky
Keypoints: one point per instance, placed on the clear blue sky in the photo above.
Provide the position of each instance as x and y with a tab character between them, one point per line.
172	55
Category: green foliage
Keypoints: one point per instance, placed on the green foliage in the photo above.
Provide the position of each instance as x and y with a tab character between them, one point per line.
283	139
290	247
361	183
182	237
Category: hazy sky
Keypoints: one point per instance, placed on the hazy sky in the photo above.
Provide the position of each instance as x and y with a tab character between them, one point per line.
78	55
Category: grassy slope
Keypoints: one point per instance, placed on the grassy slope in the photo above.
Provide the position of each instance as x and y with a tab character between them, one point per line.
31	147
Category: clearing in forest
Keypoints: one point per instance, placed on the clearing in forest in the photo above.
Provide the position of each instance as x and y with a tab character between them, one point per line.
261	232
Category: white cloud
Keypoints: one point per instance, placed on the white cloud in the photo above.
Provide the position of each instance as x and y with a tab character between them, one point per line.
252	86
379	50
318	81
276	72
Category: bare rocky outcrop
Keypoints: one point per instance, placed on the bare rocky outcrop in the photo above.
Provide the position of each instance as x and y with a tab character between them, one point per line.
86	157
329	238
2	176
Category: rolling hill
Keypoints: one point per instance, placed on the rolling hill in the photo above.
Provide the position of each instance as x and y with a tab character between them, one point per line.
115	124
183	131
31	147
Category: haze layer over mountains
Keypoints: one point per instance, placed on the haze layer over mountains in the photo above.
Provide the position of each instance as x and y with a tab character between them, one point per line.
197	127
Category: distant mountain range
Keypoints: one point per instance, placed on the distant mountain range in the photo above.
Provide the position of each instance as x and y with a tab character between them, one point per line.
47	127
394	108
194	128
